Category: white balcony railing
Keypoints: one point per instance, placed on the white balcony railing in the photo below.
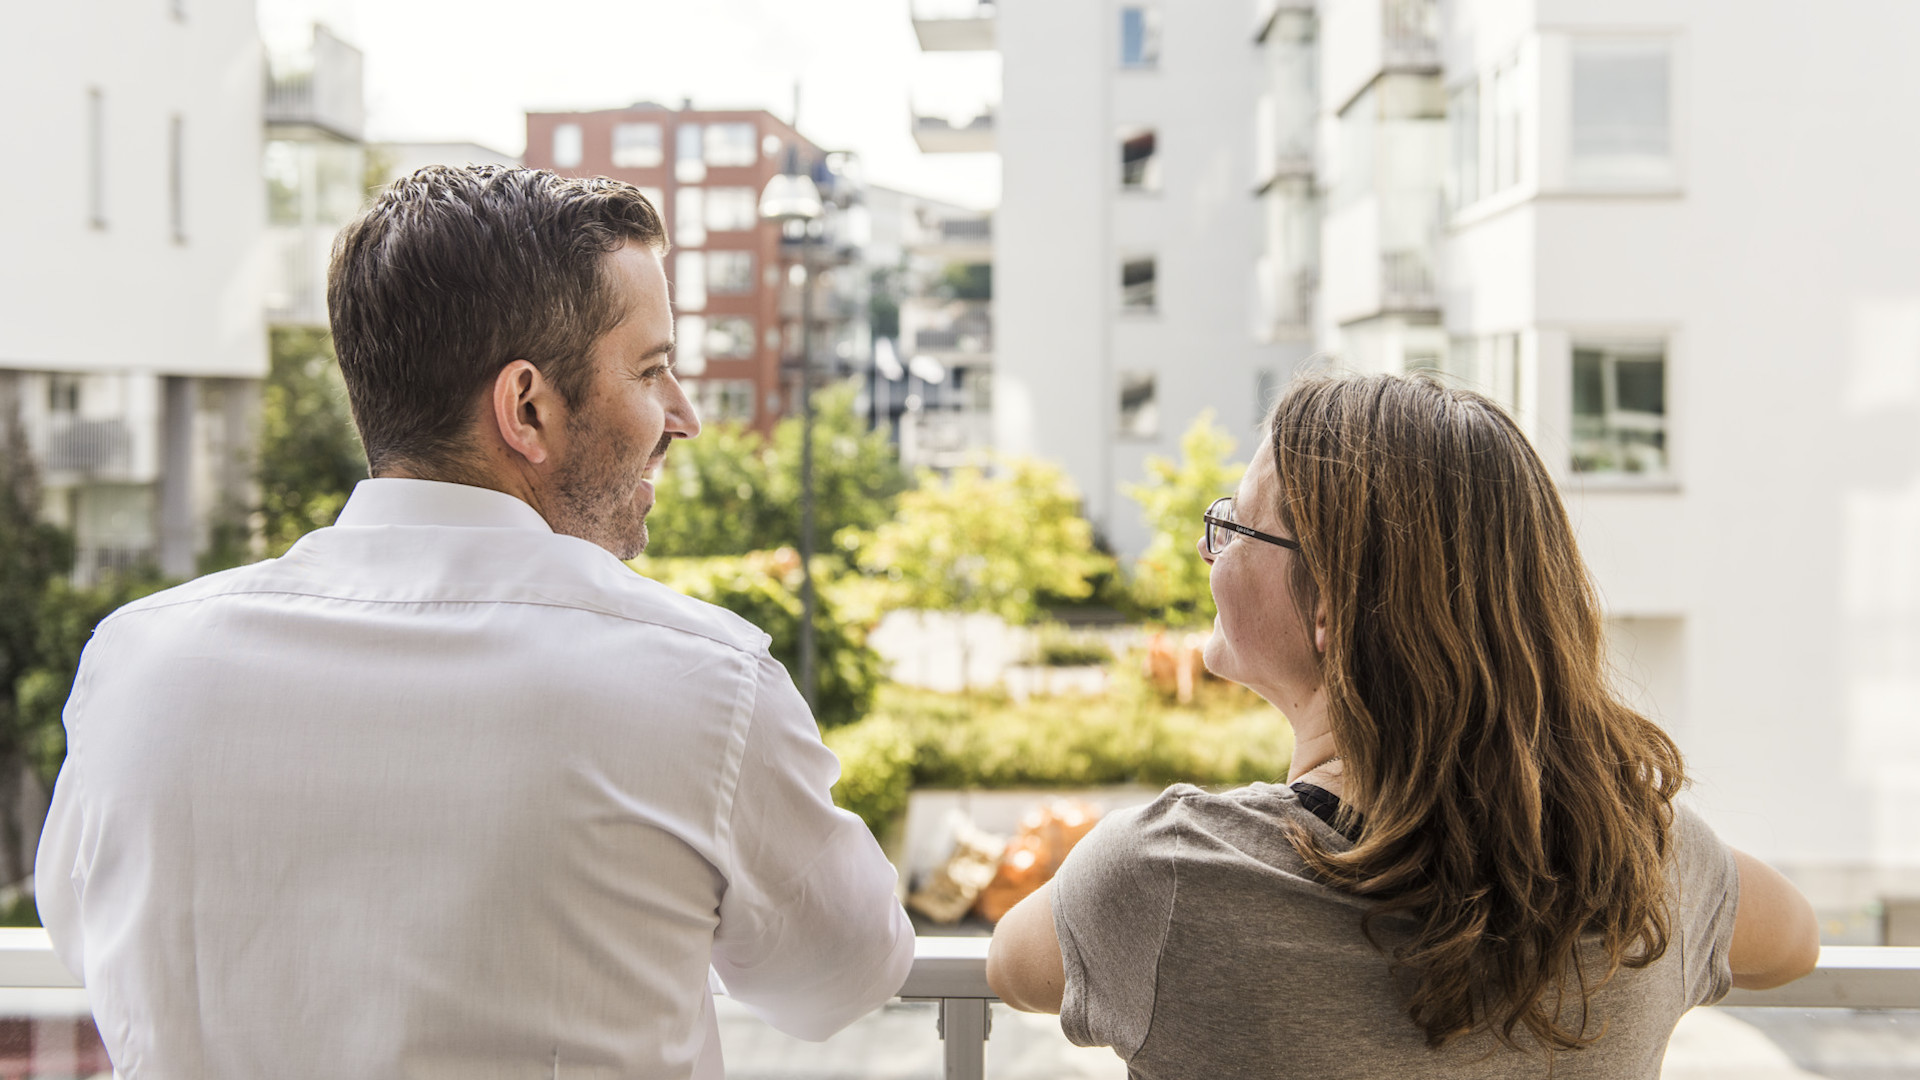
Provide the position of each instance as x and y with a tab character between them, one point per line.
952	973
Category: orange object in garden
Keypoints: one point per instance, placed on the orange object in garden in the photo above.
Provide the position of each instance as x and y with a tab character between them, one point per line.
1046	834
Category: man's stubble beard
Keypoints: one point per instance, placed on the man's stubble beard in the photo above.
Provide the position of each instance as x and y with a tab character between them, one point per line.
594	489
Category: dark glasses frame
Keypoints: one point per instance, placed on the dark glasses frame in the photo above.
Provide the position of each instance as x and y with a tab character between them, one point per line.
1219	520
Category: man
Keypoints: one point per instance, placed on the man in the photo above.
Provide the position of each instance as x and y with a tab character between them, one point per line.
448	790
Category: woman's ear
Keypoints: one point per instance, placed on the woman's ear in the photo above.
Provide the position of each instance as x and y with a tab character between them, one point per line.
1320	627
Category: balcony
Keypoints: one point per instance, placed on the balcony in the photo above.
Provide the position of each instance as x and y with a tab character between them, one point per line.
940	135
948	972
317	95
950	330
954	25
1410	35
968	239
945	439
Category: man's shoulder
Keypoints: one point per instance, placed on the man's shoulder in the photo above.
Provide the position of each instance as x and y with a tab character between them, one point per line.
544	571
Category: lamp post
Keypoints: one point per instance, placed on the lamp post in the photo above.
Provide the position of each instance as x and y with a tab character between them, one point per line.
792	196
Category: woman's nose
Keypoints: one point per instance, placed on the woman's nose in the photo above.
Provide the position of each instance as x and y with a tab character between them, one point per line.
1205	555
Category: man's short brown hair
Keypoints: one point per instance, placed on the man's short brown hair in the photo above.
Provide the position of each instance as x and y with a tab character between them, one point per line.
452	274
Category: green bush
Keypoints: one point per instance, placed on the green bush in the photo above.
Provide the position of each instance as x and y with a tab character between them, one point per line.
1057	646
763	587
920	738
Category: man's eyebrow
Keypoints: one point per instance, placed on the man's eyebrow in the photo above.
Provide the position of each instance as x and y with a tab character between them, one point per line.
661	349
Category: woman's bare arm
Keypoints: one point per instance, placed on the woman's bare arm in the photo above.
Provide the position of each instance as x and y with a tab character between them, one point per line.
1023	963
1775	936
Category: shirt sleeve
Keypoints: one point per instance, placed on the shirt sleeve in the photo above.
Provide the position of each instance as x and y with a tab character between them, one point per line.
1112	902
57	871
1709	898
811	936
54	886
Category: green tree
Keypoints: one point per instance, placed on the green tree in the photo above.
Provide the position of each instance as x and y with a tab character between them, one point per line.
1170	577
730	491
974	543
310	454
32	555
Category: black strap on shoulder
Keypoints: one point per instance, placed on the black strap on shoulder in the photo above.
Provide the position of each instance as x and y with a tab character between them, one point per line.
1324	805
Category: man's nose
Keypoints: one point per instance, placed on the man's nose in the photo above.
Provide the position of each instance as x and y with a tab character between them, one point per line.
683	421
1205	555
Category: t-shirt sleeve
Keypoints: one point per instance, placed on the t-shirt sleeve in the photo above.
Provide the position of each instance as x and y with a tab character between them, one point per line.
1709	896
1112	901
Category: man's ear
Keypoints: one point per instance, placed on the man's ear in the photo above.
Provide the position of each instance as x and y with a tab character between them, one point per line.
526	411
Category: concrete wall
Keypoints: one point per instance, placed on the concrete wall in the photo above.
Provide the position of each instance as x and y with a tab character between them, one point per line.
129	295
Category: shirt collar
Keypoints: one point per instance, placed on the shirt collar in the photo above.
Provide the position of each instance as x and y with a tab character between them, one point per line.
395	501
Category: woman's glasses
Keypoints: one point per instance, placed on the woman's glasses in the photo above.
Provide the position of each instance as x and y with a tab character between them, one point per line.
1221	527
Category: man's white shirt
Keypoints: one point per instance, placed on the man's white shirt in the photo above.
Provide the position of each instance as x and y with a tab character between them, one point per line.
441	793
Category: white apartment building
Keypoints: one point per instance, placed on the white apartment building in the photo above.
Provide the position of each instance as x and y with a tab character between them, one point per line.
1129	239
315	165
933	383
131	341
1677	238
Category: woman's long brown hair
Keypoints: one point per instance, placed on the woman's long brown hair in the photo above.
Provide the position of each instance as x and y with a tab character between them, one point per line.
1512	804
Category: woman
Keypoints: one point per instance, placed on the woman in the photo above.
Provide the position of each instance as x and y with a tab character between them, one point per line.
1476	868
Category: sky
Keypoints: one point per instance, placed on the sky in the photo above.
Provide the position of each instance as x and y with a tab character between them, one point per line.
468	71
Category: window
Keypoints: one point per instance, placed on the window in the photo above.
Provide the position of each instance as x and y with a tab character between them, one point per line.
1620	409
1489	364
725	400
63	394
1463	115
96	158
1139	406
1139	160
732	145
1137	285
568	146
730	338
1139	36
1621	103
690	217
637	146
176	178
1508	106
688	165
689	345
690	280
730	272
732	209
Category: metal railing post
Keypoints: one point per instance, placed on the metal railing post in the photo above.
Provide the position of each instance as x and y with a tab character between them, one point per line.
964	1024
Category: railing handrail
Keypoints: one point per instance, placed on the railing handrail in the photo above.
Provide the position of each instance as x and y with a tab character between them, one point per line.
1848	976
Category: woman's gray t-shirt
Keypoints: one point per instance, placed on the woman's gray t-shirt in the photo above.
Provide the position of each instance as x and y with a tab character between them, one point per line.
1197	944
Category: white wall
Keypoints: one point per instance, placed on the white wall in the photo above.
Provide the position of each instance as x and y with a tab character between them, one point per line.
128	296
1781	568
1063	227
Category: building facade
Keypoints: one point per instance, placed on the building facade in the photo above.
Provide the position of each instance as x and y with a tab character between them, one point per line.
735	279
131	336
1691	280
931	382
1129	235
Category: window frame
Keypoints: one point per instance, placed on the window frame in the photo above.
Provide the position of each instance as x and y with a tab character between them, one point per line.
1622	172
1613	347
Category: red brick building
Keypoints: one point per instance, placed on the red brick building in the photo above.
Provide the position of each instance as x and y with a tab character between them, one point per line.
728	270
